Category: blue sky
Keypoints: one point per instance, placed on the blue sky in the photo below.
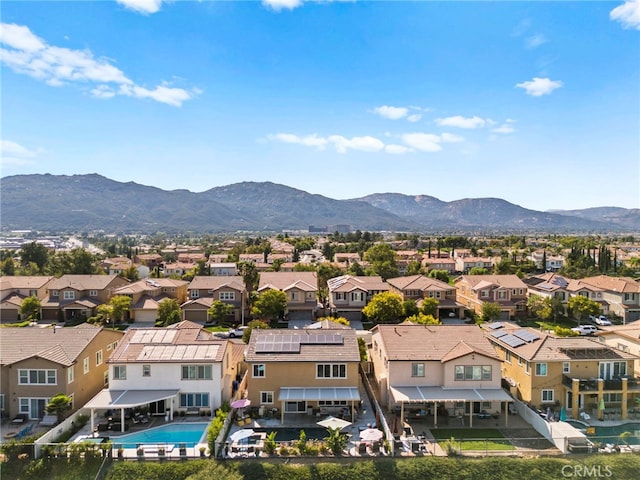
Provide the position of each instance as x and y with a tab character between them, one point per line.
537	103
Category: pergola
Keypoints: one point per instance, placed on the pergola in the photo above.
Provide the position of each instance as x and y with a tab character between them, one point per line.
438	394
123	399
314	394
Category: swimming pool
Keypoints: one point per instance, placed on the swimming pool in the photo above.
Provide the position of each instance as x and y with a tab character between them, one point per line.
577	424
175	433
612	434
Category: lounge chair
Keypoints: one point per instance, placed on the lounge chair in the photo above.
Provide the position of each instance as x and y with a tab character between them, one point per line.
375	448
48	421
362	448
25	431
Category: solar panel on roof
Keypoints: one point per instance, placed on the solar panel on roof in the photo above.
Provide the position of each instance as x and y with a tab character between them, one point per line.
499	333
527	336
495	325
512	340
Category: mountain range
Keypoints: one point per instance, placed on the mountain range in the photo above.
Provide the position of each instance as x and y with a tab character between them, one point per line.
62	203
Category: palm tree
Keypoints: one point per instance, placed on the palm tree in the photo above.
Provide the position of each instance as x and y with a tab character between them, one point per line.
59	405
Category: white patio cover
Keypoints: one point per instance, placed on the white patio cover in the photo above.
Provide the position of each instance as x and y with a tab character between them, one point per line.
108	399
297	394
440	394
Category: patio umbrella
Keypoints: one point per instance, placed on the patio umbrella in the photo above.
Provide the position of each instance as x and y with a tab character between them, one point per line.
333	422
240	403
241	434
563	415
371	435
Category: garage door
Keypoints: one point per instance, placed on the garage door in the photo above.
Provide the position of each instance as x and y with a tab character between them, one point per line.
504	315
146	315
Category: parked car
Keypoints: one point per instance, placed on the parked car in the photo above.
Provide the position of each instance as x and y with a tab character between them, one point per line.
602	320
585	329
237	332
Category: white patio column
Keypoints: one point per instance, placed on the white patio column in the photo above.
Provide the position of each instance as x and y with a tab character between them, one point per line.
122	419
506	414
471	414
92	421
435	414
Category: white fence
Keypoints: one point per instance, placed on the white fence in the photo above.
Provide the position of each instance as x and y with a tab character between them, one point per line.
56	431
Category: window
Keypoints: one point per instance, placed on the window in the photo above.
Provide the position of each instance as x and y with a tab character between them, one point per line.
93	293
195	294
259	370
547	395
541	369
340	295
70	375
417	369
507	356
266	397
105	378
623	347
486	405
55	293
2	402
119	372
85	365
331	403
37	377
566	367
473	372
527	368
194	400
227	295
357	296
502	294
520	361
484	293
331	370
196	372
612	397
146	370
99	357
69	295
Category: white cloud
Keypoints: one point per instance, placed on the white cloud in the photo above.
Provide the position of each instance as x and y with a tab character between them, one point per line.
309	141
12	153
278	5
58	66
461	122
539	86
451	138
414	117
397	149
142	6
505	128
535	41
425	142
628	14
392	113
365	144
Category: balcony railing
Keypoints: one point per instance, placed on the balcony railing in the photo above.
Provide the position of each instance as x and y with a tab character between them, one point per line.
591	384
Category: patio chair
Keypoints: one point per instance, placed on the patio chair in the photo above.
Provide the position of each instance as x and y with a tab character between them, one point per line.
362	448
48	421
25	431
375	448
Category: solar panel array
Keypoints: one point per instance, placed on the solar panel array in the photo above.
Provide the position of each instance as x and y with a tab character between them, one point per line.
495	325
527	336
290	343
512	340
153	336
498	333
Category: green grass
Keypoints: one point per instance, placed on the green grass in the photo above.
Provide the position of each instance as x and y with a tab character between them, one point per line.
473	438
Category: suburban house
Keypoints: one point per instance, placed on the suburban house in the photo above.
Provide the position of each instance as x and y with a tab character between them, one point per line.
39	363
418	287
148	293
177	269
151	260
222	269
301	289
440	371
553	263
577	373
625	338
202	291
13	290
621	294
508	291
75	297
548	285
465	264
312	371
348	294
434	263
592	292
181	369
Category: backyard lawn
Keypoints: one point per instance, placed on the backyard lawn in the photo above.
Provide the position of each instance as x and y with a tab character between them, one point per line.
472	438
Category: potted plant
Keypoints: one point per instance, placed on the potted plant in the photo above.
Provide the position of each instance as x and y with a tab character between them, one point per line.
140	452
203	451
161	453
121	453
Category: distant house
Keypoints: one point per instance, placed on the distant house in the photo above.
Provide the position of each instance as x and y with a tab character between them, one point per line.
301	289
223	269
419	287
39	363
312	371
621	294
442	371
119	266
588	290
75	297
625	338
180	368
151	260
465	264
553	262
433	263
13	290
548	285
203	290
148	293
508	291
177	269
348	294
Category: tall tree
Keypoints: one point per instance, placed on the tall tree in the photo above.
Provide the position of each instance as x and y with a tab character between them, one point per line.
36	253
490	311
385	307
382	260
30	308
270	305
169	312
580	307
59	405
219	311
430	306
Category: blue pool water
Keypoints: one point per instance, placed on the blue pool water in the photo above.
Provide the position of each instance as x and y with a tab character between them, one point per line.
175	433
612	434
